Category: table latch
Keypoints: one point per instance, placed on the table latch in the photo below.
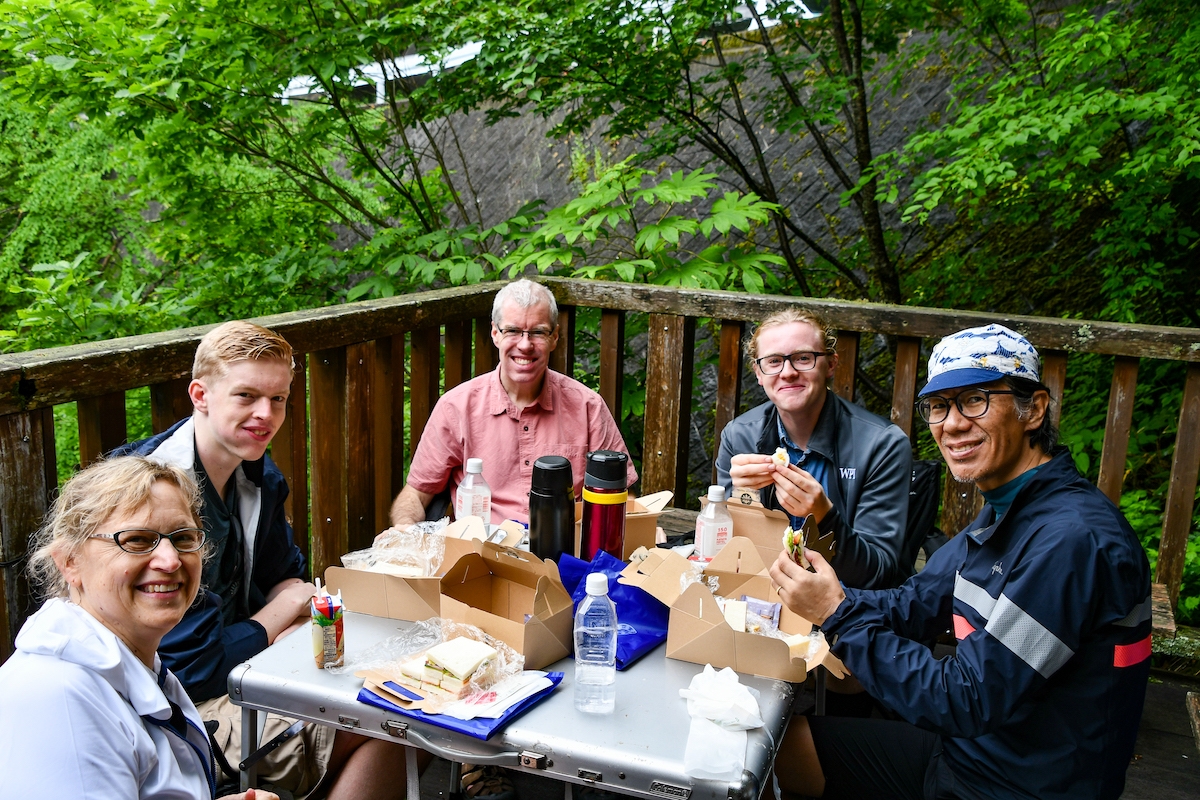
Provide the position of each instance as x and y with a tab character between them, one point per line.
531	759
395	728
347	722
590	776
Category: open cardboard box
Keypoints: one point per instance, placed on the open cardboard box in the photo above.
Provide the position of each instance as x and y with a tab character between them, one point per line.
765	526
412	598
641	522
697	630
514	596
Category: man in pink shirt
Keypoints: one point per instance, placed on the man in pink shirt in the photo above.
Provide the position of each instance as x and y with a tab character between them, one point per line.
510	417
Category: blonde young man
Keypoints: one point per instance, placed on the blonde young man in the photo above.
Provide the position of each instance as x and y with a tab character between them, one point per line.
511	416
847	467
254	585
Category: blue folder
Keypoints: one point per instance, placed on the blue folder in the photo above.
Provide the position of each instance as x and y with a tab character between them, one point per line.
479	728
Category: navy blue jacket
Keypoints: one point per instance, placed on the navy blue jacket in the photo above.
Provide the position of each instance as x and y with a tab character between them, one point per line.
1051	608
201	650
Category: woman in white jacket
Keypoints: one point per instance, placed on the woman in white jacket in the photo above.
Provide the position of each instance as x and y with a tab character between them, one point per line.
88	710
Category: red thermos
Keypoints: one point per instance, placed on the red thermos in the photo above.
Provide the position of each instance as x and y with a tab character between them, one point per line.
605	492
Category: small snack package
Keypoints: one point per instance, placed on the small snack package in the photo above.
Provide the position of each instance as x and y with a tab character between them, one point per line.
329	643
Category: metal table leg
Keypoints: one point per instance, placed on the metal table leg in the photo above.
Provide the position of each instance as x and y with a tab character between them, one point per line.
249	776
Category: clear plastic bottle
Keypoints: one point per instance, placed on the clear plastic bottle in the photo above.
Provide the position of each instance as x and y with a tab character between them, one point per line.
714	526
474	496
596	648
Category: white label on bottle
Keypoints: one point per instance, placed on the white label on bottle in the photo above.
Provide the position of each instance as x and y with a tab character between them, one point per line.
470	503
722	535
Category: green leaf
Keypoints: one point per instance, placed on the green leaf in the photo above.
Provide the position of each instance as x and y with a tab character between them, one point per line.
61	63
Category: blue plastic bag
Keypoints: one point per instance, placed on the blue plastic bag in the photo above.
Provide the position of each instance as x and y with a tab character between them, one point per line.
641	620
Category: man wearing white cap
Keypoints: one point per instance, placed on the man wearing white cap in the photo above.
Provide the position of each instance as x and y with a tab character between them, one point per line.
1047	593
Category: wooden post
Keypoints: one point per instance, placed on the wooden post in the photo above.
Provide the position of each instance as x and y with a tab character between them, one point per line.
843	378
101	425
28	478
384	421
1116	427
904	390
395	379
562	358
1181	491
360	441
423	385
961	503
612	359
330	457
289	451
458	353
729	382
1054	375
668	404
169	403
486	355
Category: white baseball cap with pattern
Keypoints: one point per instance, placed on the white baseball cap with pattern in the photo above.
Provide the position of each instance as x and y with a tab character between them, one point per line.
981	355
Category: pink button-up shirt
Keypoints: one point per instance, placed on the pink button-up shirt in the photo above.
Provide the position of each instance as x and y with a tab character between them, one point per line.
477	419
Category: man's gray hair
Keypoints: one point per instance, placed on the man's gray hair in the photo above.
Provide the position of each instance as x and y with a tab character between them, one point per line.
1045	435
524	294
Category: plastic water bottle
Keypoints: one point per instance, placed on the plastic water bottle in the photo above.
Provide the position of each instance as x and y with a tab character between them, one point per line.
474	496
714	526
596	649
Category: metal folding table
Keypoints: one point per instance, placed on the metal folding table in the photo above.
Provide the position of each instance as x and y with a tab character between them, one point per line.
637	750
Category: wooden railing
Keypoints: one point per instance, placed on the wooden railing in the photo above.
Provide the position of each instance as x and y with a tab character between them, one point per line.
345	439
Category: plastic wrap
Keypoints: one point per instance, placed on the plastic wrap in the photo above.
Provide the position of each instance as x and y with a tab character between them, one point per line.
386	658
695	574
409	552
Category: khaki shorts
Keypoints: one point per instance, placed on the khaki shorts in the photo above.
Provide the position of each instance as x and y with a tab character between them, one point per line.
297	765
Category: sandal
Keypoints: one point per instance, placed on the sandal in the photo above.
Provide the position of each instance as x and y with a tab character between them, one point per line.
486	783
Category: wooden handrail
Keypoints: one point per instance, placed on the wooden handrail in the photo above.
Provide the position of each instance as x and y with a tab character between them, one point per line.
345	434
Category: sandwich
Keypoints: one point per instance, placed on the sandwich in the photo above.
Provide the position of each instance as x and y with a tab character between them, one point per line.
448	668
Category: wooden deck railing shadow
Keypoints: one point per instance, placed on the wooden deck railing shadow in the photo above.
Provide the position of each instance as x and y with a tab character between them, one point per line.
344	435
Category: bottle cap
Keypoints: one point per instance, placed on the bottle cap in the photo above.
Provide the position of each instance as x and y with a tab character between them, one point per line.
606	470
716	494
475	465
552	475
597	583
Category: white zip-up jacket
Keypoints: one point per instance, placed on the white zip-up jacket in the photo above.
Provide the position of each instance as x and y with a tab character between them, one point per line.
82	717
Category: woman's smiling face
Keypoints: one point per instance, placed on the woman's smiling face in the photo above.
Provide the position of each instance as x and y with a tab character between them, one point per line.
137	597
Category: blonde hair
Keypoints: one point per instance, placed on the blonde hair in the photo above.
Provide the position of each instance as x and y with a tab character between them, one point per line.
236	341
787	317
87	500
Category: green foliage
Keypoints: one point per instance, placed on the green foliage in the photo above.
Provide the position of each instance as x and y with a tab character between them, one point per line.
68	302
61	191
621	231
1094	125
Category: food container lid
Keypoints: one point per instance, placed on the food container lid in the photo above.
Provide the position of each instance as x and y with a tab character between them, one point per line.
552	474
606	470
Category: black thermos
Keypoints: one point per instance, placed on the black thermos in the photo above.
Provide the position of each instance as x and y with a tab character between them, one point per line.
552	508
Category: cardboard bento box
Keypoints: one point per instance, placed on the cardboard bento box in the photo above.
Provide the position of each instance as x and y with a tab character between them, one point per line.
514	596
411	598
765	526
697	630
641	522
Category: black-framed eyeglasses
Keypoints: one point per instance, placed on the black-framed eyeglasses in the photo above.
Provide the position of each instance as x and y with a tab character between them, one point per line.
142	541
537	335
802	361
972	404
